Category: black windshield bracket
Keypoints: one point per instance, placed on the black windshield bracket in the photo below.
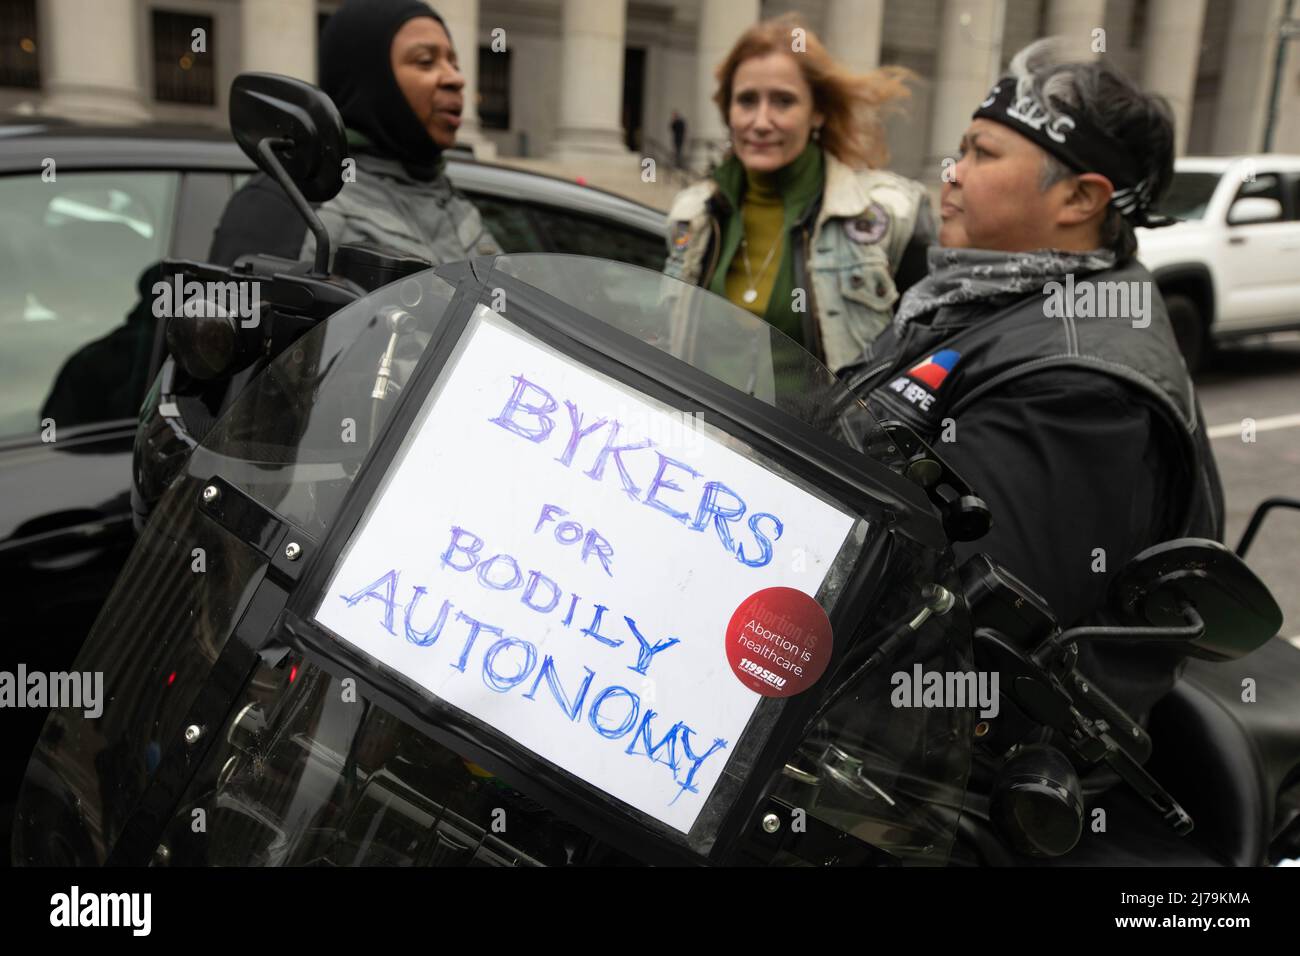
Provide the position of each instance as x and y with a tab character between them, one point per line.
287	547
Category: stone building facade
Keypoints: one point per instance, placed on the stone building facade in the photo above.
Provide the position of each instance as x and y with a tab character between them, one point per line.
585	80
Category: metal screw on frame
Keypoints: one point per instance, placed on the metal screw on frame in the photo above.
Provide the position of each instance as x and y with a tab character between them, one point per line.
192	733
293	551
211	494
771	823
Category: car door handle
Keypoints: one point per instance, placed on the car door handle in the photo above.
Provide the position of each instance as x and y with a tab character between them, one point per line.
1236	240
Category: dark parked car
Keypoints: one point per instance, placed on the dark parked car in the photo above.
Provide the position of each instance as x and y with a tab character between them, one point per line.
85	215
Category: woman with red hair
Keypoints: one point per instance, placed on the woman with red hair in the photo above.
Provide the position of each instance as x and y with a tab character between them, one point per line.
799	224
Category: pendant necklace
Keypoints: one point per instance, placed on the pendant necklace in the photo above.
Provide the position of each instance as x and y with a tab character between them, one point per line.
751	294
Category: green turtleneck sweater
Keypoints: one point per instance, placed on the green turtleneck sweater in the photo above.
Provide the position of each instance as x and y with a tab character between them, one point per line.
769	205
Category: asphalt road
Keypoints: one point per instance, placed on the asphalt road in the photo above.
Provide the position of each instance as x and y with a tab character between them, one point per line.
1260	380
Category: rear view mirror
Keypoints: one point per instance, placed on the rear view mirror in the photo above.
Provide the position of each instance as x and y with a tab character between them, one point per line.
1254	209
302	124
1238	610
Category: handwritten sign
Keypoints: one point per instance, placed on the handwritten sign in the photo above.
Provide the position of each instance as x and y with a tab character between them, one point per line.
559	556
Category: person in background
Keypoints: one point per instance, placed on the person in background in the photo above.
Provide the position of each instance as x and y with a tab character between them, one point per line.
391	69
678	126
1079	427
801	203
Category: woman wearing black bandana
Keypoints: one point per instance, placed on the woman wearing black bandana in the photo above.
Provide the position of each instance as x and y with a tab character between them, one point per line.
390	68
1037	356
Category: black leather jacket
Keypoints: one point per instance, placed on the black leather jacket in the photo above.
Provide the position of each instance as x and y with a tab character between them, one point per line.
1084	437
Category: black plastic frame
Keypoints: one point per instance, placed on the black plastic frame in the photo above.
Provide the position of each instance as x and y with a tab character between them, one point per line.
857	483
268	534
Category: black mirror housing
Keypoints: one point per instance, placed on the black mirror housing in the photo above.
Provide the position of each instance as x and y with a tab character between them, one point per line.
307	130
1238	610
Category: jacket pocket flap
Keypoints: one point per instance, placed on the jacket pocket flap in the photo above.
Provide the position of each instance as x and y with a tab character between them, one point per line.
870	287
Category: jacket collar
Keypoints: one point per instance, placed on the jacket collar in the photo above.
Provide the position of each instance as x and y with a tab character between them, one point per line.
798	183
368	155
844	196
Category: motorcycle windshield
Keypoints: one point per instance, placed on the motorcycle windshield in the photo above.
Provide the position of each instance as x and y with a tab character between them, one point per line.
551	455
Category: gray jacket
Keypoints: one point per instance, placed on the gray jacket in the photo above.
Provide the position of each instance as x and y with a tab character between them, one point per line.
388	207
848	255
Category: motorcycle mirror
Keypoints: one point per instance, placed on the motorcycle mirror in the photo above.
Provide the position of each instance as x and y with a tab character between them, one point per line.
1238	610
310	141
294	133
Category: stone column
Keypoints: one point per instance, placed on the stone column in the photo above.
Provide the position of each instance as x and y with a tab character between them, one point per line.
279	36
970	50
1075	21
721	23
91	60
1171	50
591	81
853	32
1246	81
461	17
1286	130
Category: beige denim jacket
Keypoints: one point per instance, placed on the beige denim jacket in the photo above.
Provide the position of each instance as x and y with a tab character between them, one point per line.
848	254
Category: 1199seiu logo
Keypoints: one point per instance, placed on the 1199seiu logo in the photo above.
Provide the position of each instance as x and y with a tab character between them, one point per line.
762	673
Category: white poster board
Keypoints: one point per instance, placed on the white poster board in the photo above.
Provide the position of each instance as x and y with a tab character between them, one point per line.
545	555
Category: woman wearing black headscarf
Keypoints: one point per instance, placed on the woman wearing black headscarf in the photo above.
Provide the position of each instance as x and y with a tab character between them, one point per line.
391	69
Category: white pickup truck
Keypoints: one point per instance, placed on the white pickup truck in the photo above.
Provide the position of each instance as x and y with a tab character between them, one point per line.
1232	266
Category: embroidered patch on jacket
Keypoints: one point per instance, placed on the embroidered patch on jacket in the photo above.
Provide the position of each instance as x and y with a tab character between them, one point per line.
681	234
870	227
936	368
912	393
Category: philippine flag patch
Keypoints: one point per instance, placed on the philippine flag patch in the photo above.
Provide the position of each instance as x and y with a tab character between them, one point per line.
936	368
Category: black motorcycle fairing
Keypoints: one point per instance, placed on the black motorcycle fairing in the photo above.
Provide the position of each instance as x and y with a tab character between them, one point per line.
189	581
168	624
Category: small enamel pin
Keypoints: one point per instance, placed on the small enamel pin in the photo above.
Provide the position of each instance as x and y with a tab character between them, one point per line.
870	227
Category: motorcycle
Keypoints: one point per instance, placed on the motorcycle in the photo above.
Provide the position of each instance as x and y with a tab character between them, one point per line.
549	560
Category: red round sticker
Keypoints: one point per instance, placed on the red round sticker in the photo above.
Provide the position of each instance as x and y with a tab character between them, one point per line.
779	642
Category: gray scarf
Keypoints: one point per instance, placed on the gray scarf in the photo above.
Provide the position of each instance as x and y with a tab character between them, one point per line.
961	276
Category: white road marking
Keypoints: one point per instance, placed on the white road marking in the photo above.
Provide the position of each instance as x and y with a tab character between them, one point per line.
1261	425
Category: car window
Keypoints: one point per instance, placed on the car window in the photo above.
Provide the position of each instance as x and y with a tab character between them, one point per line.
1263	186
508	221
78	260
1188	195
579	235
